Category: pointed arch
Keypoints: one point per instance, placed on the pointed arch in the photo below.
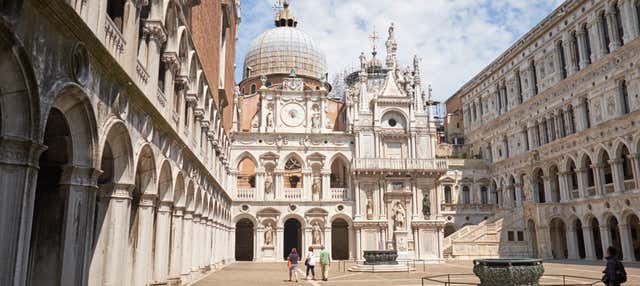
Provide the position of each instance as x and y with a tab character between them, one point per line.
165	182
179	198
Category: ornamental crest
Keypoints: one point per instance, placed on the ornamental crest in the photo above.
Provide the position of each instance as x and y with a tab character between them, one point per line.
293	84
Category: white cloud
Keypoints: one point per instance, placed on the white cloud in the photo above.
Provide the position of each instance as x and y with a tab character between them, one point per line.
454	38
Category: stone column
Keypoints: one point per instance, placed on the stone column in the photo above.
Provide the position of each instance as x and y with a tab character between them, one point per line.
544	242
414	199
359	244
635	168
176	243
162	247
519	198
119	202
627	244
196	243
326	181
157	37
547	189
307	181
358	210
565	192
589	243
605	236
326	239
629	21
599	32
533	141
278	241
143	251
617	174
582	181
279	189
187	237
572	242
598	178
259	195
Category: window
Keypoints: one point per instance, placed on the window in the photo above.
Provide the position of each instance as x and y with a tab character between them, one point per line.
587	118
115	10
447	194
466	195
534	77
392	122
563	62
518	87
253	89
484	195
587	45
624	94
526	138
575	50
520	236
618	20
510	236
605	31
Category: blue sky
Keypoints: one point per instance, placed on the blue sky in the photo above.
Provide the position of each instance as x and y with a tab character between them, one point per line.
455	38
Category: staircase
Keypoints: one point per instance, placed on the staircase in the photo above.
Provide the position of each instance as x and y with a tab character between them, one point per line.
486	239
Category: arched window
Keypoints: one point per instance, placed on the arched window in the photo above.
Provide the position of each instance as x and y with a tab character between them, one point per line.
587	44
293	173
587	167
447	194
561	124
624	96
115	10
466	195
606	170
534	76
605	31
539	183
246	174
572	120
627	171
563	61
253	89
518	87
575	50
484	195
586	113
618	20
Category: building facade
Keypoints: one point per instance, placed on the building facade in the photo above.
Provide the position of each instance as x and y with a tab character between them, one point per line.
113	152
555	117
309	170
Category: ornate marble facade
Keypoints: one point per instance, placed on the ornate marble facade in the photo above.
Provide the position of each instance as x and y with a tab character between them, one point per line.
555	118
313	170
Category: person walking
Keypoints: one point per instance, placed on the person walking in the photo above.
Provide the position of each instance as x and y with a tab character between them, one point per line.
292	262
614	273
325	260
310	262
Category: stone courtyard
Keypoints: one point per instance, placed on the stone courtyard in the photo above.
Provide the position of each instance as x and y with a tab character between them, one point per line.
247	273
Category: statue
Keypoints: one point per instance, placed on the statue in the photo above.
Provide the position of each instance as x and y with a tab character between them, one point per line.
391	31
369	208
269	120
268	234
399	216
316	186
268	183
363	61
315	120
426	204
315	234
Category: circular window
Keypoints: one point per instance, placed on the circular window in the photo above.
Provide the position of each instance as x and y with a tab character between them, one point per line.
340	207
245	208
392	122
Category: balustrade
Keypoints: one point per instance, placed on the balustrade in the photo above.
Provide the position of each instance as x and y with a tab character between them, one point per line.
246	193
142	76
629	185
400	164
113	38
339	194
293	193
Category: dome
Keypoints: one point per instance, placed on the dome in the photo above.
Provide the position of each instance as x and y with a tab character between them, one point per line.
281	49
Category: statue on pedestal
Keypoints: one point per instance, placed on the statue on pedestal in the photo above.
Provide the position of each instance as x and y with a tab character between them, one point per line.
399	215
316	234
268	234
426	204
268	183
316	187
369	208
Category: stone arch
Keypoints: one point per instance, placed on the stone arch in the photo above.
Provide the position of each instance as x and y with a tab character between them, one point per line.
193	71
178	191
603	158
165	183
293	164
633	235
340	174
394	118
613	227
246	172
553	174
248	216
558	234
19	99
594	225
295	216
190	198
145	171
117	155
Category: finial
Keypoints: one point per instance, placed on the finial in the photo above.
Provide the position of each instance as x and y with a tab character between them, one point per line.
374	38
292	73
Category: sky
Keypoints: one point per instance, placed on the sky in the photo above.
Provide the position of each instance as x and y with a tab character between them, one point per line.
456	39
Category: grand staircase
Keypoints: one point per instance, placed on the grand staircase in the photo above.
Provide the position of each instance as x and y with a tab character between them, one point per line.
488	239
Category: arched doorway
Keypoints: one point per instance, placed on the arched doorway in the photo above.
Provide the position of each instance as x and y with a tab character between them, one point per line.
339	239
45	257
449	229
580	238
614	232
292	237
558	233
634	230
244	240
597	239
531	225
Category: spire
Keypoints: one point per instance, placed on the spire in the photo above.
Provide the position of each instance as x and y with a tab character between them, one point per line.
284	16
392	47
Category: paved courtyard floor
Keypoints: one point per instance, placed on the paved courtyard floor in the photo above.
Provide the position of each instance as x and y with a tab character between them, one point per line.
254	274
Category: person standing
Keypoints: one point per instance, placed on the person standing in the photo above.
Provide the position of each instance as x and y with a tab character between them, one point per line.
293	263
310	262
325	260
614	273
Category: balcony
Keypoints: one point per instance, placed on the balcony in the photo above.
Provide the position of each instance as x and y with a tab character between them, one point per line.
293	194
142	76
591	191
400	164
608	188
113	38
162	99
450	207
246	194
339	194
629	185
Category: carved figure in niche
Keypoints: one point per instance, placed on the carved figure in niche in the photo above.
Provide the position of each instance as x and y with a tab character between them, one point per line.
316	186
369	208
269	120
399	215
315	120
316	234
268	183
426	204
268	234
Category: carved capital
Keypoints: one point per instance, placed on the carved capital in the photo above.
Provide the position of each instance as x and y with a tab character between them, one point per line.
80	176
18	152
181	82
155	30
170	59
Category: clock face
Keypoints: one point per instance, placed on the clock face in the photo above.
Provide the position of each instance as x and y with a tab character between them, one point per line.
292	114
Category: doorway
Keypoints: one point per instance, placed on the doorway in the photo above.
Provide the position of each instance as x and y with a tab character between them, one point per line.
339	239
292	237
244	240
